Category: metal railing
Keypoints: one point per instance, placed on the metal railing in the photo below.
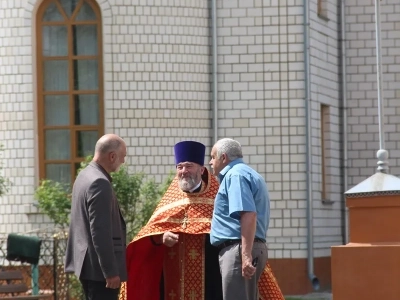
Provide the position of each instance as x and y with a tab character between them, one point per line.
52	278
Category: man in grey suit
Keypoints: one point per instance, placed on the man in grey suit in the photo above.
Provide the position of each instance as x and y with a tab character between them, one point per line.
97	234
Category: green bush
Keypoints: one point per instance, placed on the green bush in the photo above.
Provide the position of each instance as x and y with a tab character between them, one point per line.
137	196
75	289
55	201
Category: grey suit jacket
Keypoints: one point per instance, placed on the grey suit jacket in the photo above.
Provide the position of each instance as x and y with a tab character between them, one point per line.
97	234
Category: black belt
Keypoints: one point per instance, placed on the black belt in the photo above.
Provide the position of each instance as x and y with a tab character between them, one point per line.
234	242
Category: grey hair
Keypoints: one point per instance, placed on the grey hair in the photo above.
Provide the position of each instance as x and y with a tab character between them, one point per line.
107	145
230	147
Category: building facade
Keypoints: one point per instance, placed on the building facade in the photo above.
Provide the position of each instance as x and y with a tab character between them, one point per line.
296	85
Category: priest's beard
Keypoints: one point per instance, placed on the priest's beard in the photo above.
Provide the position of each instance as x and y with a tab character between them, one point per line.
188	182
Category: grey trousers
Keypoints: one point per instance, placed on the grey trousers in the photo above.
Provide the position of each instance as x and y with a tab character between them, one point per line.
234	285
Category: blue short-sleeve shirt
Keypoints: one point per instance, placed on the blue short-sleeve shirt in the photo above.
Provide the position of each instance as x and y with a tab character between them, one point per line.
242	189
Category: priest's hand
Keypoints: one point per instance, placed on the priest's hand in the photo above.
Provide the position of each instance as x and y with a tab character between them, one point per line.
170	239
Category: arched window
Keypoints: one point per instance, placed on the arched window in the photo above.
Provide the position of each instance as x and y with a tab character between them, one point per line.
70	85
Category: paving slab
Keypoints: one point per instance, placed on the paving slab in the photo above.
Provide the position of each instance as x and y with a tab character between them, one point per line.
312	296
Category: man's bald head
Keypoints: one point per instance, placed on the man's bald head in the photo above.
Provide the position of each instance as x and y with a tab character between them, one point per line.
110	152
108	143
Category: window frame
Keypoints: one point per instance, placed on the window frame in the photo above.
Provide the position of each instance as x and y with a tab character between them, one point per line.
322	9
71	92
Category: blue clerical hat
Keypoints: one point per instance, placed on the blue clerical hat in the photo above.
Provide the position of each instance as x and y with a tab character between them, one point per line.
189	151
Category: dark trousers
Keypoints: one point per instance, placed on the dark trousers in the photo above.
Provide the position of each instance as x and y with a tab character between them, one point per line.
96	290
213	281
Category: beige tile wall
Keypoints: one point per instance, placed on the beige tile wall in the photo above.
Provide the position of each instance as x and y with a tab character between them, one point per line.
157	76
362	86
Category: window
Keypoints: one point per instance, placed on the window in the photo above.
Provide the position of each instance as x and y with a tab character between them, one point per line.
323	9
70	92
325	138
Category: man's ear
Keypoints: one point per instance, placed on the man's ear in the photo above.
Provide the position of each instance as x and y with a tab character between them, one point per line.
112	156
202	170
224	158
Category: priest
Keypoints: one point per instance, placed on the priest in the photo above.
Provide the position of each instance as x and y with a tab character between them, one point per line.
171	258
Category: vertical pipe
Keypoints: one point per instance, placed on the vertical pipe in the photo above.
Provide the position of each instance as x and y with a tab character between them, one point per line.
344	122
307	81
214	26
379	74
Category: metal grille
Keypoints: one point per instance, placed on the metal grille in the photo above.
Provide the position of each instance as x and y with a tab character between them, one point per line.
52	278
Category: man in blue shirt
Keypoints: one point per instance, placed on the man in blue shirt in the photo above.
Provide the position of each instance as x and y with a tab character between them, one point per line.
240	221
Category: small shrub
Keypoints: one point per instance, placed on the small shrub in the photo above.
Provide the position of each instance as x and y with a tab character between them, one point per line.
55	201
75	288
137	197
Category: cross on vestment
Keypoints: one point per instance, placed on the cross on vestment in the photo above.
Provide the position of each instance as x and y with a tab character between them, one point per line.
172	295
193	253
192	295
